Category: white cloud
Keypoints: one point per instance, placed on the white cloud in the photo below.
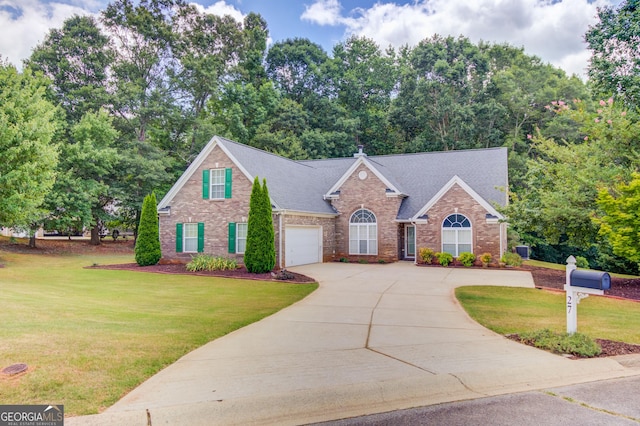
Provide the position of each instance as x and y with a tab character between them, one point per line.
552	30
324	12
25	23
221	8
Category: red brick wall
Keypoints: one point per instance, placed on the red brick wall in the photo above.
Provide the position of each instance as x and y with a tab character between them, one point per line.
188	206
486	236
369	194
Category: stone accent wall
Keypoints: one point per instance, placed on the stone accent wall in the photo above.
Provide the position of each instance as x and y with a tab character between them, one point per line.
189	206
485	236
370	194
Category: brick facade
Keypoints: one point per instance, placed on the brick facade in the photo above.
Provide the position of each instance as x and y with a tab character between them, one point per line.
361	190
369	193
188	206
486	237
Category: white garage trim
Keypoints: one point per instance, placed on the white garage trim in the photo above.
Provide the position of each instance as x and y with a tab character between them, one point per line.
303	245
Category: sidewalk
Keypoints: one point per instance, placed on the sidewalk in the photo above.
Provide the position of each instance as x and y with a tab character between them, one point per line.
372	338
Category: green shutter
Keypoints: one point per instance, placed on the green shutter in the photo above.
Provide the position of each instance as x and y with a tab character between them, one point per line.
232	237
200	237
227	183
206	174
178	238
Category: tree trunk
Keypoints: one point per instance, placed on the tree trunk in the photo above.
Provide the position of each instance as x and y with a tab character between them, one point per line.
95	235
32	240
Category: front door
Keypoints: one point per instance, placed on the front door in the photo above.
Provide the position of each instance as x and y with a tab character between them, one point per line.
410	241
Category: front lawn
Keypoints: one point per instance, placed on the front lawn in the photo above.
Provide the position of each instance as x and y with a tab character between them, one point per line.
508	310
91	335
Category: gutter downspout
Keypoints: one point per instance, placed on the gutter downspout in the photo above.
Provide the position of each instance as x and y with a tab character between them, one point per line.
415	243
280	239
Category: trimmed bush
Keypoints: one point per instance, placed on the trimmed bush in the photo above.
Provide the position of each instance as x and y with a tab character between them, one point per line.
562	343
486	258
444	258
205	262
260	253
426	254
467	258
147	249
511	259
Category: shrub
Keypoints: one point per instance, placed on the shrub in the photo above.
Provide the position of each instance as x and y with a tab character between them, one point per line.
444	258
467	258
260	253
147	249
562	343
344	260
363	261
426	254
511	259
582	262
205	262
486	258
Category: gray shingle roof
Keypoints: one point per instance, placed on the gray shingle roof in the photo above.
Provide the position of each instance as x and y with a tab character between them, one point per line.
301	185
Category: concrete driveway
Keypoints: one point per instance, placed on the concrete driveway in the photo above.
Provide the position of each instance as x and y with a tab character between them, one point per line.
372	338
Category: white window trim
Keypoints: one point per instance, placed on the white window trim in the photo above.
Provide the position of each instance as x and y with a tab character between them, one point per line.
185	238
457	243
217	185
238	251
365	225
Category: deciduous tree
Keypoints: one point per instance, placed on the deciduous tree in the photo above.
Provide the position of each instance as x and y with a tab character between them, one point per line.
29	158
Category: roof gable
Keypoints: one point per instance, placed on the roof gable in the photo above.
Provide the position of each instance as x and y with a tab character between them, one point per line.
421	178
457	181
361	161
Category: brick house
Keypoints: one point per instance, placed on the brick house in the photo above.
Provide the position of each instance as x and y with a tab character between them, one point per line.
360	207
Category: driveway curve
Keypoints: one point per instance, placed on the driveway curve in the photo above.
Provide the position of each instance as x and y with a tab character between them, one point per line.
372	338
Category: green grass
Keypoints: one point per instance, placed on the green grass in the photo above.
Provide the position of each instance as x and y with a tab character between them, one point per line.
90	335
508	310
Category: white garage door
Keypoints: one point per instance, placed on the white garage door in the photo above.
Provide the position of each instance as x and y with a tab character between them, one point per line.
303	245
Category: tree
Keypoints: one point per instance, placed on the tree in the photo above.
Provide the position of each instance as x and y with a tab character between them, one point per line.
363	79
259	256
558	201
615	45
29	159
147	249
294	66
76	59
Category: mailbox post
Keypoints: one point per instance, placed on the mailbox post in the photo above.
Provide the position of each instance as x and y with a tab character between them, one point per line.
579	285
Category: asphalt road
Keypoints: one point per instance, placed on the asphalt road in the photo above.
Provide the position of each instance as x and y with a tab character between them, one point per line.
608	402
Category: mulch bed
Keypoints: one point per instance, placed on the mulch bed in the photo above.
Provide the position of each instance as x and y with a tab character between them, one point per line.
240	273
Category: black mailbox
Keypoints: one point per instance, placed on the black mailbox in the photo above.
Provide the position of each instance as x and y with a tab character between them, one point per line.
590	279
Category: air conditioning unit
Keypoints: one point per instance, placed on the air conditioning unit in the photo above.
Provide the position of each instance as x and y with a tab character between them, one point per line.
523	251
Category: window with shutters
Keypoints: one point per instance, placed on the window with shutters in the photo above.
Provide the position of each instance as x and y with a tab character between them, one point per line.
217	184
241	237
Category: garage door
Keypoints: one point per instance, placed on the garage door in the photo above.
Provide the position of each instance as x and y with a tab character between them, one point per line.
303	245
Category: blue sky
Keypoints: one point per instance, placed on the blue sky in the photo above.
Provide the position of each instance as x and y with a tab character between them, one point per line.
550	29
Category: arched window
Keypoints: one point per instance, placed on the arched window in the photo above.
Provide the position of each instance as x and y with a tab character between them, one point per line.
456	235
363	233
